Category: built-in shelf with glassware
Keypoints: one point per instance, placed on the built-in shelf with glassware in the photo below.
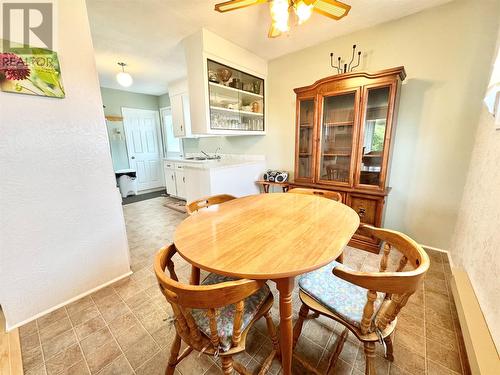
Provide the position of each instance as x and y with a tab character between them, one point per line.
236	99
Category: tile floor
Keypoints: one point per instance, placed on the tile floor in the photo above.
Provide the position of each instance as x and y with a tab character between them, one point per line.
122	330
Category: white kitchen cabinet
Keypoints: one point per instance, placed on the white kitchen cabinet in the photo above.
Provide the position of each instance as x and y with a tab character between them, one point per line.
179	103
235	106
170	179
180	181
237	180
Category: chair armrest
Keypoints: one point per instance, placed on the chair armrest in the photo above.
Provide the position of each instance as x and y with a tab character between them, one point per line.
385	282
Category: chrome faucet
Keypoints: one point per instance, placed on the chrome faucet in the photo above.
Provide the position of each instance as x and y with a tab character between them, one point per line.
216	151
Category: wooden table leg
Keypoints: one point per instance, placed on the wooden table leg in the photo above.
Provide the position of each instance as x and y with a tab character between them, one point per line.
285	287
266	188
195	276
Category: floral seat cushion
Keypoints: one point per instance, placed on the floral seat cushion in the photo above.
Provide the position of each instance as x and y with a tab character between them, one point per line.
225	315
337	295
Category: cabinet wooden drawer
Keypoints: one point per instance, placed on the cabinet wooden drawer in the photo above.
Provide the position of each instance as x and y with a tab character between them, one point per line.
369	210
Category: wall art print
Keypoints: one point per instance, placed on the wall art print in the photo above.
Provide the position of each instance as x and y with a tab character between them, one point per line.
31	71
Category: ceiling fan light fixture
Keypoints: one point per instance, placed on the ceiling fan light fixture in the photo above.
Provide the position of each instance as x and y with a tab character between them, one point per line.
303	10
280	15
124	78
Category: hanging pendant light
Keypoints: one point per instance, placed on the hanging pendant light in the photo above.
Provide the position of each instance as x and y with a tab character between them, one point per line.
123	77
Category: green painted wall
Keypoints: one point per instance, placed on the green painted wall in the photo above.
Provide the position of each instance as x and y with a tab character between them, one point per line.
114	100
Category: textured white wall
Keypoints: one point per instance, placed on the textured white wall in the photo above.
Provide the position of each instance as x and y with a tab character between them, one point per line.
475	245
62	230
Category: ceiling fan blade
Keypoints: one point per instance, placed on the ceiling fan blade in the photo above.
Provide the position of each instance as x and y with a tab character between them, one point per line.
331	8
236	4
273	32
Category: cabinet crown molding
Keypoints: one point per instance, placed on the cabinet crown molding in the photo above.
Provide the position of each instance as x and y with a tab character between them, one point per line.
399	72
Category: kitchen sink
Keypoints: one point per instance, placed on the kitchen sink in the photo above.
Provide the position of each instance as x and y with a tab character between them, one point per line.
196	158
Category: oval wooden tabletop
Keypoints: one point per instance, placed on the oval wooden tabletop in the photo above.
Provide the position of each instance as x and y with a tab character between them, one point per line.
266	236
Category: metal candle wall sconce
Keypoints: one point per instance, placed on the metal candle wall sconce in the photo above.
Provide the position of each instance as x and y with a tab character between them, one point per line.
346	68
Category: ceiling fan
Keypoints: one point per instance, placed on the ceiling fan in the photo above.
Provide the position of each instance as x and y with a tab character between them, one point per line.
282	9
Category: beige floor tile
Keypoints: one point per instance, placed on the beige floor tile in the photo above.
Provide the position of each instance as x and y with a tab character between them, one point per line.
443	356
94	341
55	329
51	318
58	343
395	370
64	360
434	368
439	318
141	351
406	360
28	329
32	358
79	305
102	294
412	342
84	315
194	364
30	342
111	308
85	329
122	323
316	332
442	335
79	368
381	364
410	323
309	351
106	354
119	366
137	299
131	337
39	370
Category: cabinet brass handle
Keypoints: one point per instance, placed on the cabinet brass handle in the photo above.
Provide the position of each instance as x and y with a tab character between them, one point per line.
361	212
183	179
172	177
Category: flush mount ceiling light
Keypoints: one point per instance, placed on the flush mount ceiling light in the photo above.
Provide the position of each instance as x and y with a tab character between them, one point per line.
124	78
282	9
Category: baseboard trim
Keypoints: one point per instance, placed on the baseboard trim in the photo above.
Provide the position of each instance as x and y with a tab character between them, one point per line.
440	251
480	347
93	290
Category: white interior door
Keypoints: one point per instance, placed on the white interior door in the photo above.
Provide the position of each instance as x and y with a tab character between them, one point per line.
143	136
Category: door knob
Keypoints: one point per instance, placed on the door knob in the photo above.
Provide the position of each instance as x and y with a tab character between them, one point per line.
133	157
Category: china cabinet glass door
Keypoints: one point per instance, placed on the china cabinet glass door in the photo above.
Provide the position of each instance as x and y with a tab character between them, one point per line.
305	139
337	136
373	135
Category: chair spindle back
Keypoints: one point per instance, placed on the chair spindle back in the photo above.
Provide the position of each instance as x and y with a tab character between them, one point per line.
184	297
398	285
318	192
197	205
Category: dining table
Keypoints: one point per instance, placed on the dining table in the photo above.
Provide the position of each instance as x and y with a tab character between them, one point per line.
274	237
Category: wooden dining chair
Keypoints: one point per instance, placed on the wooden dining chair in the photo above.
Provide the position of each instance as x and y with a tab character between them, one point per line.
365	303
197	205
319	192
325	194
214	318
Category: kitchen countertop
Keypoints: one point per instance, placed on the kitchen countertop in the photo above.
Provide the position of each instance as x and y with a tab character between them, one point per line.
225	161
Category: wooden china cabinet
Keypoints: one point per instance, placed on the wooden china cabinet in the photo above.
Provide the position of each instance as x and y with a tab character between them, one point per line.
345	126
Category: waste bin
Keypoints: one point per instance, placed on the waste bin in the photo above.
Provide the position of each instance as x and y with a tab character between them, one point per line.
127	182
